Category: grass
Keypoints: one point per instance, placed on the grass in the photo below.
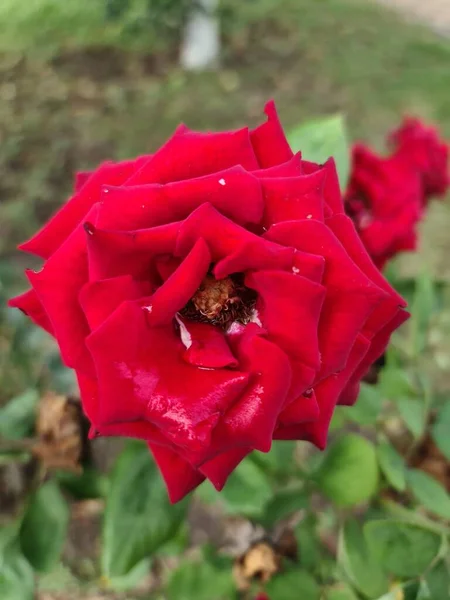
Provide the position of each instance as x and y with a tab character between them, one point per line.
69	101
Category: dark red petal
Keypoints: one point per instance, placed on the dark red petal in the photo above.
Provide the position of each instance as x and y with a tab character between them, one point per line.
178	474
99	299
305	264
332	190
252	419
52	235
220	468
80	179
351	296
378	346
293	198
165	265
268	140
142	430
142	376
191	154
381	237
291	168
179	288
303	378
344	230
235	249
89	396
57	285
234	192
115	253
29	304
289	307
205	345
327	394
301	410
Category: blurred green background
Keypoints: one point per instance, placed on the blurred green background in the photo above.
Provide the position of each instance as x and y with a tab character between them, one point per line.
82	81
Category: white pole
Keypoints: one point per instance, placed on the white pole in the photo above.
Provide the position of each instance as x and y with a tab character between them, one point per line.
200	47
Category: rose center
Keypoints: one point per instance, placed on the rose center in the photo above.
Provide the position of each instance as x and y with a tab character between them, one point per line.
221	301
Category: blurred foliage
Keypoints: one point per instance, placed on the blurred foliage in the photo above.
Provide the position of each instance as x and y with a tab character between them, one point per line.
103	93
370	516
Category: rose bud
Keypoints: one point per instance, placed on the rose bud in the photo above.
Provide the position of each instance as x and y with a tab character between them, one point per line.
423	149
384	200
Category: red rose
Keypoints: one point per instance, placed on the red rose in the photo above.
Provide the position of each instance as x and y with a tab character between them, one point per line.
422	148
384	200
211	297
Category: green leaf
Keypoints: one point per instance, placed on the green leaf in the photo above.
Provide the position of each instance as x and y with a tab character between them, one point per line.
392	465
247	490
340	592
348	473
395	382
369	405
292	586
132	579
429	493
422	308
319	139
89	484
438	581
16	574
138	516
358	562
402	548
44	527
441	429
202	581
339	419
413	412
279	461
309	548
17	417
394	594
284	503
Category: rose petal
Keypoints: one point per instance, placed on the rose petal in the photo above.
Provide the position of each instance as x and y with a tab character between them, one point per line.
293	198
344	230
99	299
179	288
54	233
144	377
193	154
179	476
235	249
80	179
302	410
327	394
289	307
205	345
269	142
159	204
57	285
332	190
290	168
115	253
252	419
220	468
377	348
29	304
351	295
